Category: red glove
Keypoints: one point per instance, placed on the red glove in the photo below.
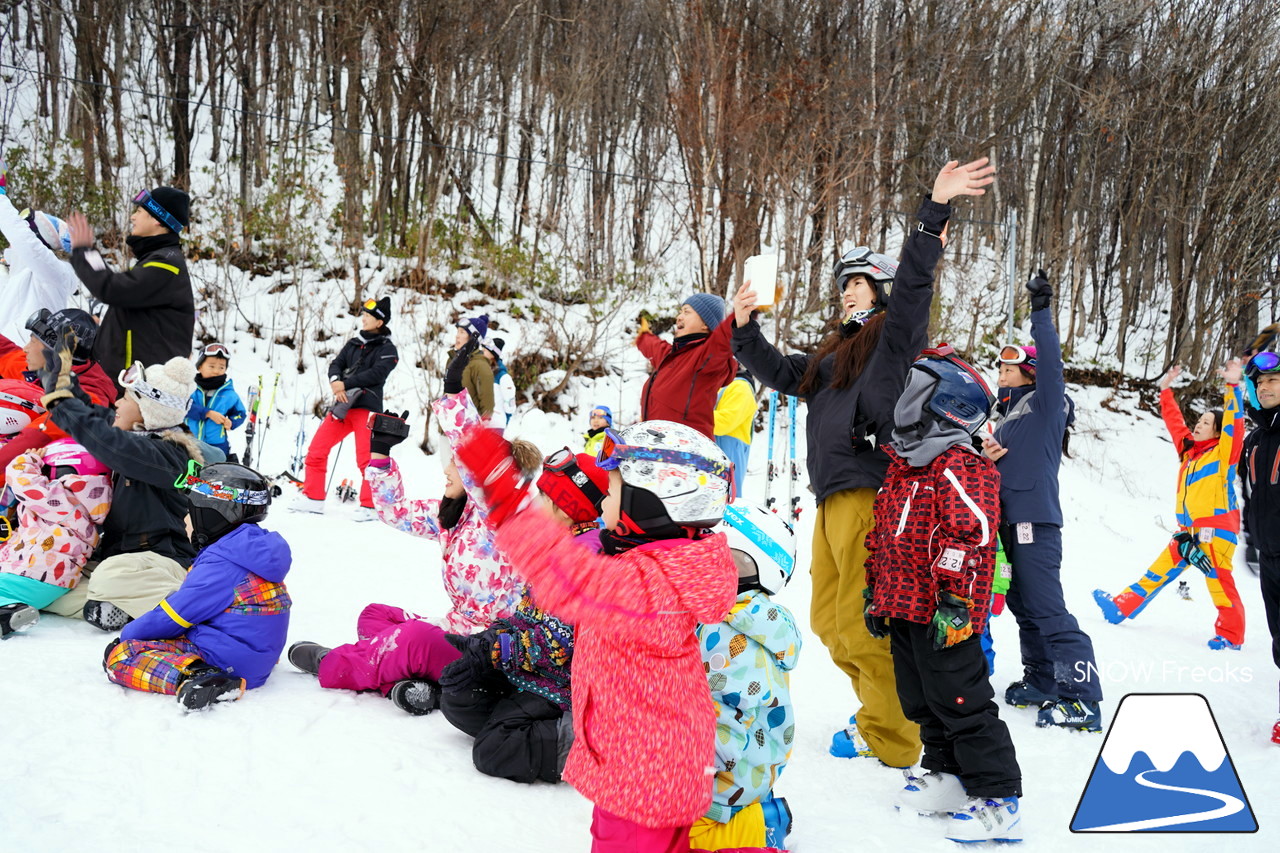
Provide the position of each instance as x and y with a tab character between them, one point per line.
487	456
997	604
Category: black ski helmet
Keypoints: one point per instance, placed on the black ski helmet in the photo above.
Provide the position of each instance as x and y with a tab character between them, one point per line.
47	326
224	496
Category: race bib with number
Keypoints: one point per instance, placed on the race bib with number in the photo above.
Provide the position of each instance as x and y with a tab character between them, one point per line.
1026	533
951	560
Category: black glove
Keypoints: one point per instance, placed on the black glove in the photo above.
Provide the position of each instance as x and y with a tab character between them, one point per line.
56	378
474	670
1191	551
877	626
951	622
1040	289
453	374
386	430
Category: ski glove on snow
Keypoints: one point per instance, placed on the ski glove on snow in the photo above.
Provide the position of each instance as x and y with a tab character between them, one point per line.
386	430
56	378
951	624
1040	290
877	626
453	373
474	670
487	455
1191	551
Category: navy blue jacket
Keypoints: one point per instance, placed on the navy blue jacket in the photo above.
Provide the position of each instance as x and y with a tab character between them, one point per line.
1033	434
834	462
232	604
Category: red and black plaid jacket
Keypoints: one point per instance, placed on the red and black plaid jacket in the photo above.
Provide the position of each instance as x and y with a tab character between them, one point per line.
935	531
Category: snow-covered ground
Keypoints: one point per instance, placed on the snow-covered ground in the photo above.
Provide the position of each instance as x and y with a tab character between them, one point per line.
92	766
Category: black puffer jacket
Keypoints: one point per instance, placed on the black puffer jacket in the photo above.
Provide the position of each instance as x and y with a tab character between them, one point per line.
1260	469
152	312
363	365
834	462
148	513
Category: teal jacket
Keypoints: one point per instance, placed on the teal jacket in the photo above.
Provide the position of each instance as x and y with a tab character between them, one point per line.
748	658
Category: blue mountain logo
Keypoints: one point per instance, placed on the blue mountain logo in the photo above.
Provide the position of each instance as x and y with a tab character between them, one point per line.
1164	768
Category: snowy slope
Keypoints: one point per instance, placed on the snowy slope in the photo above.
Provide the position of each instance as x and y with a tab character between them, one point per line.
293	767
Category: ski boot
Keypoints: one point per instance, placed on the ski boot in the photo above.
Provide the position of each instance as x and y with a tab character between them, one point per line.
16	617
306	504
1220	642
1108	606
365	513
931	792
1070	714
849	742
1019	694
415	696
207	685
1184	590
986	820
105	615
777	821
306	656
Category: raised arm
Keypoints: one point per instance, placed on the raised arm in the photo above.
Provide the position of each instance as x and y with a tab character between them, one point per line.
1232	439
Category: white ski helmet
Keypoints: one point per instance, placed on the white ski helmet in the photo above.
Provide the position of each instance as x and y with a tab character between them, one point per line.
676	475
765	539
879	269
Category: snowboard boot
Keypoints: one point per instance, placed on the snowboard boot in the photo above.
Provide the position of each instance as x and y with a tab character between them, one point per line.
306	656
1220	642
849	742
207	685
931	792
1070	714
415	696
1019	694
16	617
985	819
105	616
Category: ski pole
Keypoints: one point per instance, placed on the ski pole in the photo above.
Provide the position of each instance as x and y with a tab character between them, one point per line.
334	470
769	468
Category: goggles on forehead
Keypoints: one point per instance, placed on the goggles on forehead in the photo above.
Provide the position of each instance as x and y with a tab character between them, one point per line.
219	350
38	324
132	379
1263	362
1014	354
370	305
613	452
150	205
189	481
565	462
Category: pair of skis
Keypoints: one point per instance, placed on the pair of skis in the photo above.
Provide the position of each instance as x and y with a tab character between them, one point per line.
776	469
258	395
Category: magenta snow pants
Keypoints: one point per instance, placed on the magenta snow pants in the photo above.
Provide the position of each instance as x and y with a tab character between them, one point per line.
613	834
394	645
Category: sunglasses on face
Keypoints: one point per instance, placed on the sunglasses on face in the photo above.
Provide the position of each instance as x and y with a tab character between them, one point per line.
150	205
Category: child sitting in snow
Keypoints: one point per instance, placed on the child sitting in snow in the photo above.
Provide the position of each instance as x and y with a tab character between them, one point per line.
397	646
216	408
929	575
748	658
643	722
62	495
689	372
223	629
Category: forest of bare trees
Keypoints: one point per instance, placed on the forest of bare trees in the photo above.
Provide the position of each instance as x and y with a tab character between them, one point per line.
1138	142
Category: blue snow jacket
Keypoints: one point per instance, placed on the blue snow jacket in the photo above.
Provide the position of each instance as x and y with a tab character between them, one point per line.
232	605
1033	419
225	401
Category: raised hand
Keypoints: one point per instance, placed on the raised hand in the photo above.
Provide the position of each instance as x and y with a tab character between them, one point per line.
1232	372
744	302
1040	289
968	179
81	231
1169	378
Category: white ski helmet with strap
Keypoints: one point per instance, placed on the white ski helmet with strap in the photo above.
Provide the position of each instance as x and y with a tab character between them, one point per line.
765	539
681	468
879	269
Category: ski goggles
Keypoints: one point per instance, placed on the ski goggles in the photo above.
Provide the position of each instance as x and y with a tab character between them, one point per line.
156	209
371	306
613	452
565	462
39	325
192	483
132	379
1263	362
1014	354
217	350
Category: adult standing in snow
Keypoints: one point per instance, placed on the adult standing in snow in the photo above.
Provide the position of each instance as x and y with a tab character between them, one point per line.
1060	676
151	312
469	368
689	372
1208	519
1261	459
851	387
356	376
504	388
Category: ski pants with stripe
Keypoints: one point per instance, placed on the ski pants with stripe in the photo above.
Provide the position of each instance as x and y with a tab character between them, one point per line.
1222	586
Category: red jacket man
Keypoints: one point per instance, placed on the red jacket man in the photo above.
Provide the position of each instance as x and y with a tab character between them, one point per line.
689	373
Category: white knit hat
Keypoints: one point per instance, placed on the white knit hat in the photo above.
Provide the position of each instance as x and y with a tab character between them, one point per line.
163	391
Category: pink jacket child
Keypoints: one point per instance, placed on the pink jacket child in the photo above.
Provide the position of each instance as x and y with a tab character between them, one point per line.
397	645
62	495
643	721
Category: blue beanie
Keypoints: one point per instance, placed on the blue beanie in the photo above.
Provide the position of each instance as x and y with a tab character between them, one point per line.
707	306
608	413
